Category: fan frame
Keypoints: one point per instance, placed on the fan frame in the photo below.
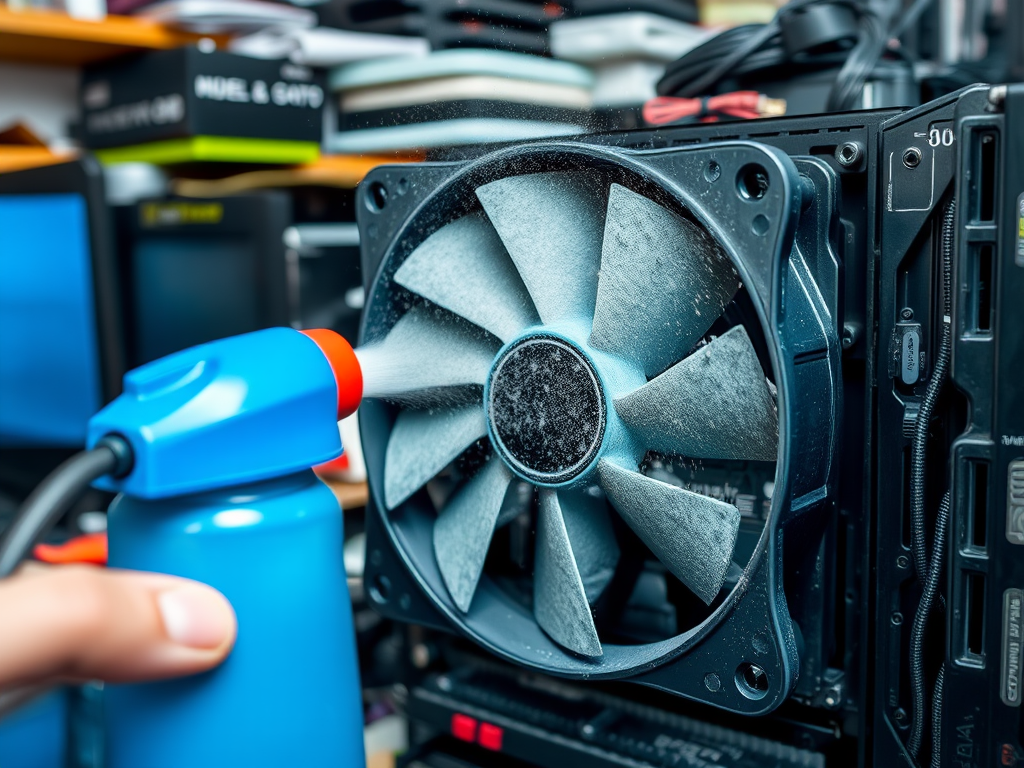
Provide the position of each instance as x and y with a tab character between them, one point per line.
791	270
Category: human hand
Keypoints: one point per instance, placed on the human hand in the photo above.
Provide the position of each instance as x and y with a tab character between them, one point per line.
74	623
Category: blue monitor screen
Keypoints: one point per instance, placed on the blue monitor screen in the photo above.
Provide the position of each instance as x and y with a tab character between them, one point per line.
49	360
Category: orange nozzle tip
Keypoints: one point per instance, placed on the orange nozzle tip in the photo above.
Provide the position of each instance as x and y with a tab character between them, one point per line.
90	548
345	365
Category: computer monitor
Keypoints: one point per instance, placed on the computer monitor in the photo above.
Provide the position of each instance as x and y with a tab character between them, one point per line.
61	356
196	269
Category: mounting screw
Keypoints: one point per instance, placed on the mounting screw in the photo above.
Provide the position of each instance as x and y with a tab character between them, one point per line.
896	618
588	730
900	714
850	333
712	682
996	96
849	153
907	313
831	701
903	561
444	683
912	158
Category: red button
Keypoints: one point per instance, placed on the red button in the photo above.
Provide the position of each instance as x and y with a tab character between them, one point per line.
464	727
490	737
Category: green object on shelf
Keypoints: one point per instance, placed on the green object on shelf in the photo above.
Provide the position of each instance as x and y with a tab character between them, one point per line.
224	149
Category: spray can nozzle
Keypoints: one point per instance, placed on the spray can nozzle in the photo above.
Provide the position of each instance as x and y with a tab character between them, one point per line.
345	366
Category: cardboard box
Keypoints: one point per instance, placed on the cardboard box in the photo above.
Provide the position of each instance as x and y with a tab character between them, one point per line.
187	94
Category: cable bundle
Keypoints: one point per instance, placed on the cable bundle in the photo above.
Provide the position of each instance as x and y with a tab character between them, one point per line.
804	36
738	104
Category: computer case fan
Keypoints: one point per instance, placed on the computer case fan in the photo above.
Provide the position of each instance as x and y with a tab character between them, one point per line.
561	449
553	317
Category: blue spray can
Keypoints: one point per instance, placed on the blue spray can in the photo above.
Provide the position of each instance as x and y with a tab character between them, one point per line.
221	491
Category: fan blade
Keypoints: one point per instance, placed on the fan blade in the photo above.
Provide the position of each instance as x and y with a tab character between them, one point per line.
462	533
426	350
715	404
692	535
518	501
589	526
423	443
551	225
664	281
464	268
560	599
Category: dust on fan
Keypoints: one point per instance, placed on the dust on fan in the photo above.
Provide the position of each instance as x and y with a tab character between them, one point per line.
593	299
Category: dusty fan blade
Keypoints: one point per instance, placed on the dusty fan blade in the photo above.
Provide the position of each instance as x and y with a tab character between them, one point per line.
518	501
692	535
463	530
551	225
715	404
464	268
428	349
572	549
589	526
425	442
664	281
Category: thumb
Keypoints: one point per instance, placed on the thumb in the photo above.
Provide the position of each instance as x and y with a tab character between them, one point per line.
84	623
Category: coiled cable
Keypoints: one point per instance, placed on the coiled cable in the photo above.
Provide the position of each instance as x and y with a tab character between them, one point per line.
919	444
924	609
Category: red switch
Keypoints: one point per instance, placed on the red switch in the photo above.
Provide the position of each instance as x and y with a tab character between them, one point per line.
464	727
490	737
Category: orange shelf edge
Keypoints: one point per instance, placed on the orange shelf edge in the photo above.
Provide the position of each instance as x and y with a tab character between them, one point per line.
52	37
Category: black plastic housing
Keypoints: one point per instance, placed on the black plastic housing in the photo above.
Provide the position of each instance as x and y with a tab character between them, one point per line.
791	271
852	591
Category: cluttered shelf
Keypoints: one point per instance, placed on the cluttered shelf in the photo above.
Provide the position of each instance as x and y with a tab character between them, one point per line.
42	36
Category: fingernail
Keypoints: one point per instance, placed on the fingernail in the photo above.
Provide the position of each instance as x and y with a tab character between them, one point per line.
196	616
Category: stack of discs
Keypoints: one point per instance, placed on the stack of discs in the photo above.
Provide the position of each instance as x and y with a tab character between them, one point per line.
458	97
627	51
680	10
510	25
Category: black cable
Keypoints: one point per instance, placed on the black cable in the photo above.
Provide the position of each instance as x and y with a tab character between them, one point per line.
940	680
849	84
924	609
909	17
743	51
919	444
55	495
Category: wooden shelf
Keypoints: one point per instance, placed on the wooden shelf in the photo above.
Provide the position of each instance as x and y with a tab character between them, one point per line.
350	495
52	37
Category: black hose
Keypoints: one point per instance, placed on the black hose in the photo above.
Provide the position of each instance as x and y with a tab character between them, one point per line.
924	609
55	495
940	680
918	545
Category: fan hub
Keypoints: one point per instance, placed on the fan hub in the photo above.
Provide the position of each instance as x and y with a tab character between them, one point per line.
546	409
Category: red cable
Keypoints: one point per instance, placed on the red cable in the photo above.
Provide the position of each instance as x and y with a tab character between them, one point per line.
741	104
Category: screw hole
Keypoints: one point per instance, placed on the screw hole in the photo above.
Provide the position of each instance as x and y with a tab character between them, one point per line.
912	157
712	171
752	182
759	226
380	588
751	680
376	197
